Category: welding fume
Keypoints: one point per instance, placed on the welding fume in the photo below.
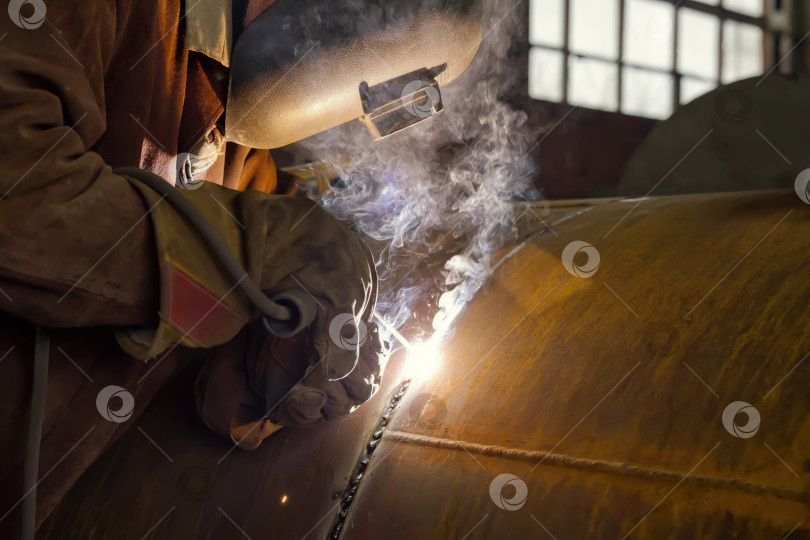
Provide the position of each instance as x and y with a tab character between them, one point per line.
144	224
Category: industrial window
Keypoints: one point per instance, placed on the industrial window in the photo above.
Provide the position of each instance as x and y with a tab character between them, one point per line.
641	57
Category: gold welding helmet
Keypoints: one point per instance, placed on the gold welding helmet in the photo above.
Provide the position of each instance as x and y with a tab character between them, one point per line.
304	66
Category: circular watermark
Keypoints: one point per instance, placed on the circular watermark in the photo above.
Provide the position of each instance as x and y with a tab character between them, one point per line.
184	175
194	483
542	208
660	339
517	500
33	20
589	267
427	410
420	107
802	185
733	106
750	428
348	332
121	414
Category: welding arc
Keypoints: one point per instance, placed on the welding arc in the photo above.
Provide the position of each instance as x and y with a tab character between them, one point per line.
286	319
402	339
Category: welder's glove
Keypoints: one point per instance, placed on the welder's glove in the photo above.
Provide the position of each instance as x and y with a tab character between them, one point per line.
248	391
284	243
313	397
305	247
258	383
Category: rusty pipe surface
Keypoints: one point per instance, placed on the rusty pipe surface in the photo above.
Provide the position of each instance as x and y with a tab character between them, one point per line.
604	396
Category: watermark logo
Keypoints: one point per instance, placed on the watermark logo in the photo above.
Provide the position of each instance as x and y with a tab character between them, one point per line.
660	339
590	266
733	106
539	208
194	483
730	415
802	185
34	16
348	332
421	105
542	208
516	501
184	170
123	413
427	410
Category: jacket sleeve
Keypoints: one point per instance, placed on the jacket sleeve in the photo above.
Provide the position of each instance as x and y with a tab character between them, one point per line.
76	247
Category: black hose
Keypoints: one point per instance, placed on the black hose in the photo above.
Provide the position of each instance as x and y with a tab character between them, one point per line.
31	467
218	246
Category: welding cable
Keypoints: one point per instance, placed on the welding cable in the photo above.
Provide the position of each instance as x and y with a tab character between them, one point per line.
31	467
288	313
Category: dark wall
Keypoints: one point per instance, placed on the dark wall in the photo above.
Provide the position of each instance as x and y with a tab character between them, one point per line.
581	152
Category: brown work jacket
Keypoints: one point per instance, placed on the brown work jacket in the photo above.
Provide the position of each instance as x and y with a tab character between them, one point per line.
98	84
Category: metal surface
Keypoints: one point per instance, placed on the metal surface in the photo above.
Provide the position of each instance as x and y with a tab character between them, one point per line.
605	395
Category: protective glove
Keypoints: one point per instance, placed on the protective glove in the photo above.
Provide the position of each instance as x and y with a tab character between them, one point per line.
258	383
284	243
306	247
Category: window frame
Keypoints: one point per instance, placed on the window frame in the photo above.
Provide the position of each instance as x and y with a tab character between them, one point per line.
719	11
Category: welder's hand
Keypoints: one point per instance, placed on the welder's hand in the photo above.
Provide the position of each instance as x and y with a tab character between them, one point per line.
325	371
285	244
304	247
315	398
293	244
258	383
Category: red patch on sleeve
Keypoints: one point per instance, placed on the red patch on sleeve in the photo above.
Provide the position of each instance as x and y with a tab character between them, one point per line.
196	313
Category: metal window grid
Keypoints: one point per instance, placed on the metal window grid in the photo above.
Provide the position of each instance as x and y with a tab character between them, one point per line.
770	44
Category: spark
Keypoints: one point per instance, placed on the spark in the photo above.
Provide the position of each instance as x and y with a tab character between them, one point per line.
423	358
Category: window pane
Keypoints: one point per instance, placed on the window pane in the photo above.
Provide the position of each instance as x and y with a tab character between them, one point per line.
742	51
698	43
592	83
545	74
648	35
749	7
546	18
693	88
646	93
595	27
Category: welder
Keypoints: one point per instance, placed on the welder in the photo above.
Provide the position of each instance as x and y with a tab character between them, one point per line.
109	274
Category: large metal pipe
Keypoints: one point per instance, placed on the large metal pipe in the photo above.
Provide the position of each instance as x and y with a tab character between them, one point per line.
605	396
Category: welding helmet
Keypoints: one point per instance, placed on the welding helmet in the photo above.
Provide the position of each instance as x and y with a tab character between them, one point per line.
304	66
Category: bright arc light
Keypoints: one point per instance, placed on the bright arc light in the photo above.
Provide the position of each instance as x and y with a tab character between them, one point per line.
423	359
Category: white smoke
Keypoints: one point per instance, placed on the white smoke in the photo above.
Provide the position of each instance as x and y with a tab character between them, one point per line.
450	179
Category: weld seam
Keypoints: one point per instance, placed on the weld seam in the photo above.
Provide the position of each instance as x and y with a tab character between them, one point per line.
601	466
